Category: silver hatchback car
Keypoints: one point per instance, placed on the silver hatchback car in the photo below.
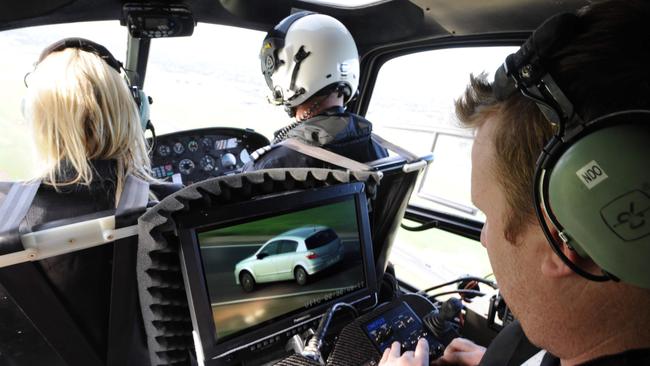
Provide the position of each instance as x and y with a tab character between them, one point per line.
293	255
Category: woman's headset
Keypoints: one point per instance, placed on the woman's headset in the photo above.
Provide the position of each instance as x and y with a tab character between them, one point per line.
141	100
592	179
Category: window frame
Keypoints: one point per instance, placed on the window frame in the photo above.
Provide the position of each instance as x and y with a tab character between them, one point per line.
371	64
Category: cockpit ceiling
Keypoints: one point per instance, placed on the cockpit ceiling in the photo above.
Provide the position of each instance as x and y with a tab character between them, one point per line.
379	23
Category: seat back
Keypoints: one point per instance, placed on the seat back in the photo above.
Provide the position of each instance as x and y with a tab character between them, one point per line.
389	204
66	264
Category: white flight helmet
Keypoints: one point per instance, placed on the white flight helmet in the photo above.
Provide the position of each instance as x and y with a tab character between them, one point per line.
305	53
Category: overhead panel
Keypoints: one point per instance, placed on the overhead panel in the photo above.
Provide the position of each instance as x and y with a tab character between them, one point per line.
14	10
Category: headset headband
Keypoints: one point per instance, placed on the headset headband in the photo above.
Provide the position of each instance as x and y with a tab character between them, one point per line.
526	71
103	53
84	45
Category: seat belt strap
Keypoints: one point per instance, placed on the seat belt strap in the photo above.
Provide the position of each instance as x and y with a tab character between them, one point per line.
13	209
410	157
325	155
123	320
29	290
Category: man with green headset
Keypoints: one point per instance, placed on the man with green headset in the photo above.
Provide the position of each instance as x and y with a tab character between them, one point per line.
560	169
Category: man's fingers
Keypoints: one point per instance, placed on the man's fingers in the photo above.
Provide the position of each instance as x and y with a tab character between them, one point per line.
395	350
422	351
384	357
461	345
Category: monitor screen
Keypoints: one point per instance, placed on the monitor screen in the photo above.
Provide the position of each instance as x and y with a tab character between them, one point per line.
269	264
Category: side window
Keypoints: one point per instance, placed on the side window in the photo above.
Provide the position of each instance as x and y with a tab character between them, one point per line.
288	246
412	105
271	248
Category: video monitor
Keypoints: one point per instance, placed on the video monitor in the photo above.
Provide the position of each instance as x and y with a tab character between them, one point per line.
258	268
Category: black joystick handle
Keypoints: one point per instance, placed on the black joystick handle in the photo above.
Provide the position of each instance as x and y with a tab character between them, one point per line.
443	324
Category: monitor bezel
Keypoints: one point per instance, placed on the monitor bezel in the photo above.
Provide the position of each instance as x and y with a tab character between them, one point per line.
189	223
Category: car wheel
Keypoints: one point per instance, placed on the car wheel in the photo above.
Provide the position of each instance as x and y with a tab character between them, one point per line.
301	276
247	281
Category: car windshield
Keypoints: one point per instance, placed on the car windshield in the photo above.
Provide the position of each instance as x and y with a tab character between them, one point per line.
320	238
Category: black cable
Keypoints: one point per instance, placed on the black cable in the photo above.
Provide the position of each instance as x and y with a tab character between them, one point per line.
460	279
312	350
459	291
426	226
327	318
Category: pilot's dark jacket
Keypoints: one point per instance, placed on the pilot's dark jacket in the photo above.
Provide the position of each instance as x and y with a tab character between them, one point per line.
338	131
82	280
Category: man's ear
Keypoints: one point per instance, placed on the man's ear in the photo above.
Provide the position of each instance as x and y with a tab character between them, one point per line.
552	264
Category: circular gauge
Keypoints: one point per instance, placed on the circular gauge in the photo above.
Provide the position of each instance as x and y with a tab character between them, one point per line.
228	160
193	146
206	142
207	163
244	156
186	166
164	150
179	148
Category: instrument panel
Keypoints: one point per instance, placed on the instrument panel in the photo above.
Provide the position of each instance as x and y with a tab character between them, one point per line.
196	155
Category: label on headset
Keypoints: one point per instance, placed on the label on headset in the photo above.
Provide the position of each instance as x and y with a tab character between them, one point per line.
591	174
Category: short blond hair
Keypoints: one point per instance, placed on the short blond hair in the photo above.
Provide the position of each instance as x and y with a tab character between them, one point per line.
520	134
80	109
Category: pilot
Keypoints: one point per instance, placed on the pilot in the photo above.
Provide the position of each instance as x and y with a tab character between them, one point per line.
571	260
87	131
311	66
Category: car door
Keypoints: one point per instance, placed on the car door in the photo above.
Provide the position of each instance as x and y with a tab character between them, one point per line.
265	264
286	258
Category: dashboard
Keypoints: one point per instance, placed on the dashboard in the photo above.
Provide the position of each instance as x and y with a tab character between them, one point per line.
195	155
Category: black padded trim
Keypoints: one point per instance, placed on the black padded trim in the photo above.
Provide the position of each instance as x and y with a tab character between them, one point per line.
160	282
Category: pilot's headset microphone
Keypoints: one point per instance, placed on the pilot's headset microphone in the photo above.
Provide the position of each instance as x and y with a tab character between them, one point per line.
592	178
139	97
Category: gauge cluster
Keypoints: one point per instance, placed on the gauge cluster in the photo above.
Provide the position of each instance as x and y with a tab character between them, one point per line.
205	153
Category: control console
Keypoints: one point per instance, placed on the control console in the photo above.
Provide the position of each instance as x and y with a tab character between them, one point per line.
401	324
363	341
196	155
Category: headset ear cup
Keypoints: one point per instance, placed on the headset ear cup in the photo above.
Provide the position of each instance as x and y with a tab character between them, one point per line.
599	193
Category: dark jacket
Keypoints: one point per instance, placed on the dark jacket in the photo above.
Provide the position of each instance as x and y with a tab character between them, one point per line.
512	347
82	279
338	131
637	357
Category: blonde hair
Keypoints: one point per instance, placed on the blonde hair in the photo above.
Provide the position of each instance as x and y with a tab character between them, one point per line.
81	109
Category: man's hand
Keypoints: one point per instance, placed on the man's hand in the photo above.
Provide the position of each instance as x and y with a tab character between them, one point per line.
420	357
461	352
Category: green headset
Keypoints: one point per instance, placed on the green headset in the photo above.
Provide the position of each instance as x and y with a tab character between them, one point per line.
141	99
592	179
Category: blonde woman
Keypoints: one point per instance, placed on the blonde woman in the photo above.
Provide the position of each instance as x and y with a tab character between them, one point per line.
87	132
